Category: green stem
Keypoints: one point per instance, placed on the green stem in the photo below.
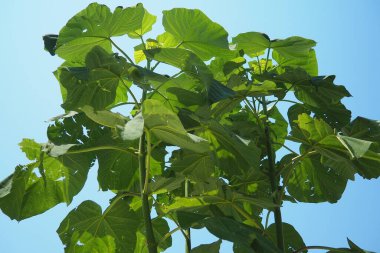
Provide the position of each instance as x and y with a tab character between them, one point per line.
322	247
121	51
187	231
130	92
273	182
151	241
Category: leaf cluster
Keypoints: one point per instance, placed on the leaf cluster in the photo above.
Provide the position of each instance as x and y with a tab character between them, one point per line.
212	146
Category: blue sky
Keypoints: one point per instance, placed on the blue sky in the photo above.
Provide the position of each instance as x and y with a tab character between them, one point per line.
347	33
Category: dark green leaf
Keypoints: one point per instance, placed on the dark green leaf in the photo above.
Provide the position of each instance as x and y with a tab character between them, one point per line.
88	220
209	248
292	239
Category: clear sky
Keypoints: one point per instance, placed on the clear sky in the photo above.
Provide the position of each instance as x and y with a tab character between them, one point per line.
347	32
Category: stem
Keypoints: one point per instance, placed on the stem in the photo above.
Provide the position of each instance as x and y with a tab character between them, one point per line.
187	231
266	61
267	220
130	92
321	247
273	182
151	241
121	51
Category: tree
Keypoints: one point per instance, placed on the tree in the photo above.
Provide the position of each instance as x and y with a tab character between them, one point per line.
222	117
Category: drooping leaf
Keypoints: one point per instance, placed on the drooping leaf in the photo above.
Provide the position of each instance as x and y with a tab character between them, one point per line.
29	193
104	117
166	126
89	220
250	238
196	32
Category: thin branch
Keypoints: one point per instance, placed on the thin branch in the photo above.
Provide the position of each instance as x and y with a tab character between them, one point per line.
130	92
321	247
121	51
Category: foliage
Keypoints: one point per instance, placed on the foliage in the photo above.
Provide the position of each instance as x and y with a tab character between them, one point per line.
208	147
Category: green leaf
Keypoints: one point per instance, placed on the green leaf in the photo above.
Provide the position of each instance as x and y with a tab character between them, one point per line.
87	243
196	32
88	219
234	156
145	23
189	63
344	153
253	43
196	165
231	230
117	170
95	25
97	84
29	193
292	239
309	63
293	47
313	181
104	117
166	126
210	248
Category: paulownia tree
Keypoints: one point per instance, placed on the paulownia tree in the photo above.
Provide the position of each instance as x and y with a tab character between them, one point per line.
206	147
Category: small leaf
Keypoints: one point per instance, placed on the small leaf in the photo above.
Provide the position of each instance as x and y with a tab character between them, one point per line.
209	248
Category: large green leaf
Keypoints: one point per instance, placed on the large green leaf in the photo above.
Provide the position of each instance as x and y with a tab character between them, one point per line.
166	126
293	47
196	32
46	182
292	239
118	222
95	25
250	238
253	43
96	84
